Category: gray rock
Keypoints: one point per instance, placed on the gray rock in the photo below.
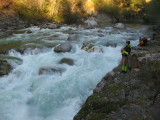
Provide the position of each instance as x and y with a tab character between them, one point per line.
64	47
47	70
9	59
100	35
91	48
100	31
134	61
30	48
91	23
5	67
28	31
49	26
119	26
67	61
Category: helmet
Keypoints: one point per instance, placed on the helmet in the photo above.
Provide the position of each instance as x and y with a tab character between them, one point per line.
128	42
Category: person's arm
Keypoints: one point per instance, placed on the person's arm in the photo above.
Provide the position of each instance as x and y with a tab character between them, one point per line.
125	52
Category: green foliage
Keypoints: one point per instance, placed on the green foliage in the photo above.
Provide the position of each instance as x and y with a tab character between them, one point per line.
45	7
95	1
109	9
138	3
152	10
71	11
98	116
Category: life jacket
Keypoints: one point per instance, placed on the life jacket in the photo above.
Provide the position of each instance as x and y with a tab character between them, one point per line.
145	38
127	50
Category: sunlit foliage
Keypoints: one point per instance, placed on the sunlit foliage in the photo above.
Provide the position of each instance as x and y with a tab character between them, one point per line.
73	10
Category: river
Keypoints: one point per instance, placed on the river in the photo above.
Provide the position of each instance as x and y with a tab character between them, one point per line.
26	95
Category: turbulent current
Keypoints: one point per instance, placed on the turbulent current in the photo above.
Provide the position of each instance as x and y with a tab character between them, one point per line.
26	95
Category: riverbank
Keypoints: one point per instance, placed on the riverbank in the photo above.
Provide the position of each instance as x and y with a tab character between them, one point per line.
131	96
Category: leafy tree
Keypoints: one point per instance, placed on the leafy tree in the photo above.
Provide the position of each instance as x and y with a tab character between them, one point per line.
152	11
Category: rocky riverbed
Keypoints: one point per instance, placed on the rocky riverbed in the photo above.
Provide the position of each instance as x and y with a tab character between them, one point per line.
131	96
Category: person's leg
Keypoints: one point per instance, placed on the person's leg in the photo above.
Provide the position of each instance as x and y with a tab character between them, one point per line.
123	63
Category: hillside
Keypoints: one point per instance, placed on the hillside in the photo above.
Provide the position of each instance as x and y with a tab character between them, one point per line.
72	11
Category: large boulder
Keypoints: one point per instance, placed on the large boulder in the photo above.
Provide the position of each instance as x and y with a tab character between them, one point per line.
47	70
91	23
119	26
64	47
67	61
5	67
91	48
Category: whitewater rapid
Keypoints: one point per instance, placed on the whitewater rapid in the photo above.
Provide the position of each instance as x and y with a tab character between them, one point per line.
26	95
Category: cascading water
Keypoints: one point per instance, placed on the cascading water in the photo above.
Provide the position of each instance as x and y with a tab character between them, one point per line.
26	95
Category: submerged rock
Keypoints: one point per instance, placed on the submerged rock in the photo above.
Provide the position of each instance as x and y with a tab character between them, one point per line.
5	67
91	48
47	70
111	44
67	61
73	37
19	61
100	35
31	48
64	47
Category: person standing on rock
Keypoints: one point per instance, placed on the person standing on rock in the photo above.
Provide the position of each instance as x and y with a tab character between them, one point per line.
125	52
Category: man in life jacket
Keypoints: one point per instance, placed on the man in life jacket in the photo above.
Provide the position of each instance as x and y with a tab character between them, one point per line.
125	52
143	41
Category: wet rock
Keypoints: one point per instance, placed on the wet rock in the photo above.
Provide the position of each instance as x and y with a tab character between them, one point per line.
91	23
119	26
19	31
100	35
47	70
64	47
28	31
5	67
55	36
67	61
99	30
111	44
91	48
12	23
3	34
73	37
31	48
49	26
10	59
